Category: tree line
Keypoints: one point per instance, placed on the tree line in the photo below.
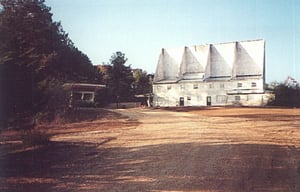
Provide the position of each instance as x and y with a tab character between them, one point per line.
37	57
285	95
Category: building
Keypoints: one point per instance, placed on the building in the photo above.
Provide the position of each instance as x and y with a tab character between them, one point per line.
291	82
82	94
211	75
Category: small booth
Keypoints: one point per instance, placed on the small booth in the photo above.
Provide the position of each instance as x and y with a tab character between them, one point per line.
82	94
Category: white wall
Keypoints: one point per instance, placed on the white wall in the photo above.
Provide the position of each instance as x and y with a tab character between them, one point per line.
229	73
249	92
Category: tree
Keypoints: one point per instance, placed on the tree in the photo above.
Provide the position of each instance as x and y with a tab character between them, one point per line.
286	96
29	40
142	82
36	58
120	77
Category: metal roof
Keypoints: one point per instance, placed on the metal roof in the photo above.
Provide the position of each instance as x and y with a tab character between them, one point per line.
233	60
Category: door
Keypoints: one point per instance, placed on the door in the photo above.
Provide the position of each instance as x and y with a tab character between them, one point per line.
181	101
208	100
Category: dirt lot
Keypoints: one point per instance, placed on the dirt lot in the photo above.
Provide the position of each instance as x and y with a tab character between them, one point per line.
207	150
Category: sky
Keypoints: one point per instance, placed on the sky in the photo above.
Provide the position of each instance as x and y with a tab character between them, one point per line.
141	28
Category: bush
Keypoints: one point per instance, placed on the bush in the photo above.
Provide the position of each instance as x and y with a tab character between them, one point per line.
286	96
33	137
56	102
102	98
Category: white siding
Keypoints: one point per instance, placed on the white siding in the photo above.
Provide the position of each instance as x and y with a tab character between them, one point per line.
229	73
249	96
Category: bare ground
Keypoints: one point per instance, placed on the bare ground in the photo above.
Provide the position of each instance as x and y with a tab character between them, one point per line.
181	149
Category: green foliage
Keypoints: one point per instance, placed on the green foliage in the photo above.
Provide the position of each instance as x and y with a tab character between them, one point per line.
56	100
142	82
73	65
123	81
102	97
36	58
286	96
120	78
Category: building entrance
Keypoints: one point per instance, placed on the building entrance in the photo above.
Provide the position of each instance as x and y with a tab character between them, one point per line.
181	101
208	100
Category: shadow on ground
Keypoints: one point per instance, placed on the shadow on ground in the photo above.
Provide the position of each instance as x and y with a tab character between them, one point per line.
61	166
87	114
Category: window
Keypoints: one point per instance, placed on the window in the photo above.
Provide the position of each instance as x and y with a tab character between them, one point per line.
237	98
88	97
169	87
253	84
160	100
239	85
195	86
188	98
221	98
158	88
222	86
211	86
182	86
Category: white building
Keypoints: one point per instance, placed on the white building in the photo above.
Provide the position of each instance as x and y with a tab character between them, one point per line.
213	74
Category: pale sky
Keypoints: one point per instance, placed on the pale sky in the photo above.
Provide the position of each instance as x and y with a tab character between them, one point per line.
141	28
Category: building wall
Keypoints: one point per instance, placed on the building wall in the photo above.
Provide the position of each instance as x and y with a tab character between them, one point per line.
225	73
248	92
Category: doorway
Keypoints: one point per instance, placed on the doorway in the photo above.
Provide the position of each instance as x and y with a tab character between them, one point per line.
181	101
208	100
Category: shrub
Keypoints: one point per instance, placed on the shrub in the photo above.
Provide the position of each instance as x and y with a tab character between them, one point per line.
33	137
286	96
56	99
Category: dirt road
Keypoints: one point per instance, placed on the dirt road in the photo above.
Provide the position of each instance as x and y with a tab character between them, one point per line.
207	150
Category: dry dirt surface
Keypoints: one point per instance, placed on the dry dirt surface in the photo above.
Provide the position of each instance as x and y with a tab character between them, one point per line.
154	150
